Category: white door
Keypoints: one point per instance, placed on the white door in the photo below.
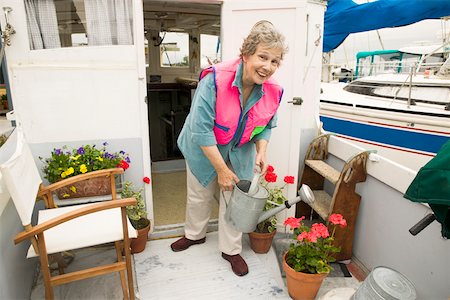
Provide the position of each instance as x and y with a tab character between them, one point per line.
71	94
301	22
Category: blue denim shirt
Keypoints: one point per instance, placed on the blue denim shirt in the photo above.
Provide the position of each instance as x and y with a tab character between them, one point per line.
198	131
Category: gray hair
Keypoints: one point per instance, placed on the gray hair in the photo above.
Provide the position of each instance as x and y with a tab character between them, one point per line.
263	32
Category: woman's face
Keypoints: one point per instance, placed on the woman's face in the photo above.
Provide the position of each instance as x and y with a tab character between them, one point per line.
261	65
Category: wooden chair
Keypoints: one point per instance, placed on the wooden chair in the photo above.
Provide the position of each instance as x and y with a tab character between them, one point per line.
67	228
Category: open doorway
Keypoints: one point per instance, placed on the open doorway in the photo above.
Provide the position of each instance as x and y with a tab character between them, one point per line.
181	39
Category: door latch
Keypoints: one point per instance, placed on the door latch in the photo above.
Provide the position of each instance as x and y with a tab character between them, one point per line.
296	101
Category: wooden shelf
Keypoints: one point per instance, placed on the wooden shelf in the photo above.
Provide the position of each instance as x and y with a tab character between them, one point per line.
344	200
322	203
324	169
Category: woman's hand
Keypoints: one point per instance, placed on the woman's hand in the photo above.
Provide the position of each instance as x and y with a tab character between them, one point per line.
226	179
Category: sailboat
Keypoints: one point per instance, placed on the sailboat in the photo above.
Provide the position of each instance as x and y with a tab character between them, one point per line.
398	103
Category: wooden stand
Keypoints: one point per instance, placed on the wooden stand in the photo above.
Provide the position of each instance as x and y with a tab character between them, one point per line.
344	201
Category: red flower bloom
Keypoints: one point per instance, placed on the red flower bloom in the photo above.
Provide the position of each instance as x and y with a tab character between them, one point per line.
270	177
146	180
302	236
270	169
123	164
320	229
312	237
337	219
293	222
289	179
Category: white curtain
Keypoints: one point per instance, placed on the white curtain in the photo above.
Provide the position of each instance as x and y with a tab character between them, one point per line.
42	24
109	22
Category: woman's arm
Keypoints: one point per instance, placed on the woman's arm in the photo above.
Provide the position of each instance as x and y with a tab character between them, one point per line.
225	177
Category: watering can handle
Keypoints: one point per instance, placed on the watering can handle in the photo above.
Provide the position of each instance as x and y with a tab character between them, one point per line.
254	184
224	199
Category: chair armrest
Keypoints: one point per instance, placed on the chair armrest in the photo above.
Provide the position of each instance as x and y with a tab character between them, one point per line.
72	215
71	180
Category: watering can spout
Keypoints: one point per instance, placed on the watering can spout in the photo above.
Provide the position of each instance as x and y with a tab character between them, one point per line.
305	194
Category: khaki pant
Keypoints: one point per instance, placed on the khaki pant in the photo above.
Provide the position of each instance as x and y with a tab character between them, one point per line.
198	211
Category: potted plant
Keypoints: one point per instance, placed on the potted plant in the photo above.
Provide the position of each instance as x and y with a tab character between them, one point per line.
307	262
261	239
137	215
64	163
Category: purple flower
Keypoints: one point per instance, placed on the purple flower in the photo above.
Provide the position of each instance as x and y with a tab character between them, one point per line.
58	151
127	159
122	152
105	144
80	151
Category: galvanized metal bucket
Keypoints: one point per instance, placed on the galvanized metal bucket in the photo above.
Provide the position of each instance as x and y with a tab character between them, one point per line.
385	284
243	210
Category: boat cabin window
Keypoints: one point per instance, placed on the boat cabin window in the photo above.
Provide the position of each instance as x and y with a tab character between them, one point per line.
73	23
210	50
174	49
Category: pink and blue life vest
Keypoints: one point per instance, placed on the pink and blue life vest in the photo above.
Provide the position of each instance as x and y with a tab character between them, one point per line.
228	105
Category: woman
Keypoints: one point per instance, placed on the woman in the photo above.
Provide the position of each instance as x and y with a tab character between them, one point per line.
226	134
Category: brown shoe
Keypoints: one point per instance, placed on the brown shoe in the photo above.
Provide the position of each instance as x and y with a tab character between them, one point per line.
238	264
184	243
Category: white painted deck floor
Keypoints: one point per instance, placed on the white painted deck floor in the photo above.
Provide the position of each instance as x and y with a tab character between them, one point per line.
197	273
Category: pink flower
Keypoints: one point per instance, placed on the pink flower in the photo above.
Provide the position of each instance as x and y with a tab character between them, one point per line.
337	219
312	236
320	229
302	236
289	179
293	222
146	180
270	177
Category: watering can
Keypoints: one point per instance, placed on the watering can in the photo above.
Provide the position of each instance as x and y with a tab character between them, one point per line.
245	208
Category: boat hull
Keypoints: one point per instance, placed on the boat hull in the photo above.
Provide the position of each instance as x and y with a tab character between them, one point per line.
401	136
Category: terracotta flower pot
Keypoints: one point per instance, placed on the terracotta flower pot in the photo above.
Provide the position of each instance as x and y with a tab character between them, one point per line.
138	244
261	242
302	286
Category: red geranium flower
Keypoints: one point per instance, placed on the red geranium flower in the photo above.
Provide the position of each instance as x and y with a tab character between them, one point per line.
146	180
270	169
270	177
123	164
289	179
293	222
337	219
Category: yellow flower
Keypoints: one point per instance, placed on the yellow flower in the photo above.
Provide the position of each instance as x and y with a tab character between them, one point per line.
73	189
70	171
66	195
100	158
63	175
75	157
83	168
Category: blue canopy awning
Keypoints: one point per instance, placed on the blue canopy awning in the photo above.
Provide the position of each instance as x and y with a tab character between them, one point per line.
345	16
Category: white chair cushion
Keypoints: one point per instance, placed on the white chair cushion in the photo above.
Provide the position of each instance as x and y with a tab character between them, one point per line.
89	230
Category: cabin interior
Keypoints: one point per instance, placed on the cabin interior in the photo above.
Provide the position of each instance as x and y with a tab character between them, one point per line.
181	39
